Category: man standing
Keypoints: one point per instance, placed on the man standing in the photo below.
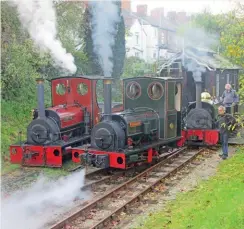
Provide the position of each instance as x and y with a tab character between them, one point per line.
225	123
229	98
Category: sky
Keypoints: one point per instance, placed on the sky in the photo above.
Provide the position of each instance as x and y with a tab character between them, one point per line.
190	6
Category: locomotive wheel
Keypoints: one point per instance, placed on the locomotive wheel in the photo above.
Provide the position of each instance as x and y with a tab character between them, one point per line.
199	119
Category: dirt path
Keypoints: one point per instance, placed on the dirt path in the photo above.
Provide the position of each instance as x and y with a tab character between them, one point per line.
179	183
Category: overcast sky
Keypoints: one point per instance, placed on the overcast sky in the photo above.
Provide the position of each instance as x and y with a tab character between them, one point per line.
191	6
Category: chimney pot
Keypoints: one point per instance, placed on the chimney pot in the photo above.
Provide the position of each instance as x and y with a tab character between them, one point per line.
142	10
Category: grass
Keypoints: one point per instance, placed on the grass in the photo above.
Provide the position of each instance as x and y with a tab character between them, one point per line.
15	117
215	204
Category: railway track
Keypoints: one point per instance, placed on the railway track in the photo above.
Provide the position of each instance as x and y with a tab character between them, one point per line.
12	182
98	213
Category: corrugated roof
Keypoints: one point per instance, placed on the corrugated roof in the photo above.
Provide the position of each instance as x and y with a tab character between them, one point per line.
212	61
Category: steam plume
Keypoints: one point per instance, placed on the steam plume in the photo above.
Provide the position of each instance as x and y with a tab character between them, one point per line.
34	207
196	70
39	18
105	15
197	37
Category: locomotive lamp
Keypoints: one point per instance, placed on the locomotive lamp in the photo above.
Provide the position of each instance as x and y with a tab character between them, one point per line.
40	97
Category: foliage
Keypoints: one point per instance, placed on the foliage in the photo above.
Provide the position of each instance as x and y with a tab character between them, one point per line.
136	67
119	50
19	70
22	62
95	68
229	27
15	118
217	203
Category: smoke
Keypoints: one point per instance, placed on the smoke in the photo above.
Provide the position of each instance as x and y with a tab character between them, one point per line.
204	42
105	15
39	18
196	70
34	207
198	37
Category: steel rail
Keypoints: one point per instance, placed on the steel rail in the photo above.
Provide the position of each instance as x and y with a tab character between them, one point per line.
143	192
123	186
111	177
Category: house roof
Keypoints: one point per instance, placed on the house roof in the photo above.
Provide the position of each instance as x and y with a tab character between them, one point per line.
204	57
130	17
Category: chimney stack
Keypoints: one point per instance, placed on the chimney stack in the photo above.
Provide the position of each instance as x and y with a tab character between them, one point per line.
198	94
40	97
172	16
157	13
126	5
141	10
181	17
107	90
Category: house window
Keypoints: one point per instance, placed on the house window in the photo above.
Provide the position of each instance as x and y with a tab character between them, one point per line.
136	54
162	38
137	38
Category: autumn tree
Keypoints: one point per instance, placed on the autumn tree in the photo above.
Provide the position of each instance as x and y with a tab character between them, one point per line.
230	28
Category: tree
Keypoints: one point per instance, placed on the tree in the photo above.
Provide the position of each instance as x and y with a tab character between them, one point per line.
231	36
119	47
95	68
136	67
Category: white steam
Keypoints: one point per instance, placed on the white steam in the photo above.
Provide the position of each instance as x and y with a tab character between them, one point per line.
196	70
34	207
105	15
39	18
197	38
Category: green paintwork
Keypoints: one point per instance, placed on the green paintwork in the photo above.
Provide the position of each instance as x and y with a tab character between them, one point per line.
166	116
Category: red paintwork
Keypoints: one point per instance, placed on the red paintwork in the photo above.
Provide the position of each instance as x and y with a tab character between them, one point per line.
72	97
150	154
207	137
41	156
113	156
70	115
118	109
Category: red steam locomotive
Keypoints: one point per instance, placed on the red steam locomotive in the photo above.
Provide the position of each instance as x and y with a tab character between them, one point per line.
56	129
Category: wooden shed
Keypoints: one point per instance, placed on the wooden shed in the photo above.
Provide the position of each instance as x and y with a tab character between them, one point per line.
217	71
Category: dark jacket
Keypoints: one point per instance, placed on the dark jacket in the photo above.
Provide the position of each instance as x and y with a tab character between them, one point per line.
225	123
229	97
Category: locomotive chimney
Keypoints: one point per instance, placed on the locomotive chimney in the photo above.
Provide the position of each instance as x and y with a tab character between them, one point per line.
40	97
107	85
198	94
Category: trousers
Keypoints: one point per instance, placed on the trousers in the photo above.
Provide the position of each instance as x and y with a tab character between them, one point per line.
224	142
228	110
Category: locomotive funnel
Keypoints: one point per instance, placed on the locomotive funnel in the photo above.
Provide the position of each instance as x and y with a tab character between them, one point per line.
40	97
198	94
107	89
